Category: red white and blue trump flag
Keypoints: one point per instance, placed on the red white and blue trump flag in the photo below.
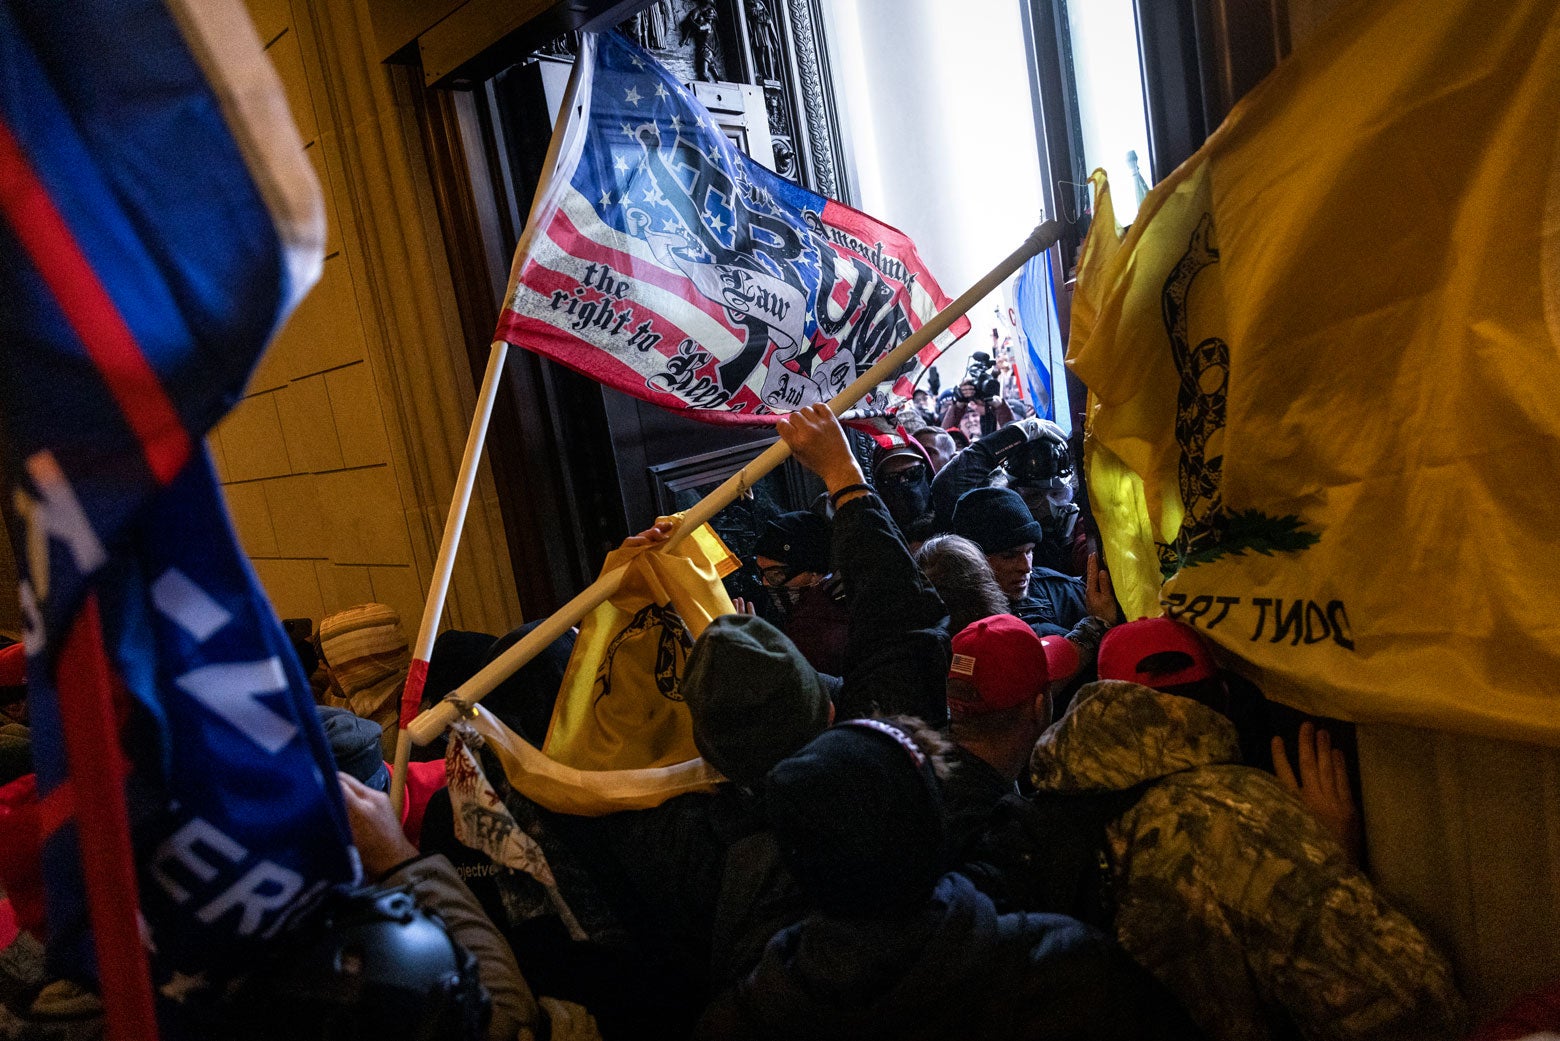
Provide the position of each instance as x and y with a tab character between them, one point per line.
158	221
663	262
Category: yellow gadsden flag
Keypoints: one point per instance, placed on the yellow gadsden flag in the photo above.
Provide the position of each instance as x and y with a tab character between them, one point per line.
619	707
1324	367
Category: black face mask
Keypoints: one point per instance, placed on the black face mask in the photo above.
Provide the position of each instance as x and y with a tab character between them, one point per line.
784	599
907	494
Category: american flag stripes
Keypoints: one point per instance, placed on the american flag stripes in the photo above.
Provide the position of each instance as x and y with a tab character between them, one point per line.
663	262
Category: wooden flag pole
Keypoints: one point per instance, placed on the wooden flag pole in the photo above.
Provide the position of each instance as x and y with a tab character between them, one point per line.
443	568
430	724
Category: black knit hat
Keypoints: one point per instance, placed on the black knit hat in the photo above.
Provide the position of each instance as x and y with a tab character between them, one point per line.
995	519
799	540
753	697
858	815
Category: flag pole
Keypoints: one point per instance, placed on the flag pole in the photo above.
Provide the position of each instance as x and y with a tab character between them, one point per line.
443	568
433	607
430	724
95	795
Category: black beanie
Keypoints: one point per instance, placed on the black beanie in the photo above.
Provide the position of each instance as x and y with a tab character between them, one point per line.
798	540
995	519
858	816
354	745
753	697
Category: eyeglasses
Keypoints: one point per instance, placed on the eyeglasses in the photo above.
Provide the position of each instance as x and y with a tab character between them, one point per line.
776	575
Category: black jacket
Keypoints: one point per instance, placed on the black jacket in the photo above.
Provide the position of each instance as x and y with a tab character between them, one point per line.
896	653
953	969
678	873
969	795
1054	599
966	471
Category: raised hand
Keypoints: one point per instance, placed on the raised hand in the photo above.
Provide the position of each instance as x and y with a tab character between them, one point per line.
1035	428
657	533
818	442
1099	596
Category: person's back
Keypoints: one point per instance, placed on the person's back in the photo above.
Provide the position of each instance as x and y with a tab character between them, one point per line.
957	969
1229	891
895	950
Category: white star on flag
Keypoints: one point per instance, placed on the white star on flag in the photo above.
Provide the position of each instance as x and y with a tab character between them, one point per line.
628	130
606	198
717	223
632	97
676	122
637	63
660	90
621	164
668	225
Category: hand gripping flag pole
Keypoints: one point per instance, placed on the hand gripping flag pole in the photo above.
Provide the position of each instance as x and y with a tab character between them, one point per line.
430	724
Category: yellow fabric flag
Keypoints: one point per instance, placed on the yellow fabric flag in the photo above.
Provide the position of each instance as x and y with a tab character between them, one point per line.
1116	492
587	793
619	706
1324	367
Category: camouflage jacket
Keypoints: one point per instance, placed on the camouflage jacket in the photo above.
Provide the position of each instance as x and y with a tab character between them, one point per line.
1230	892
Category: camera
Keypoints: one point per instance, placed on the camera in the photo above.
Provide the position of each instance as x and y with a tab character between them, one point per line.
983	373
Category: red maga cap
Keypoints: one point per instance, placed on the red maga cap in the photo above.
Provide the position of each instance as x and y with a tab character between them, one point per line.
1006	664
1125	647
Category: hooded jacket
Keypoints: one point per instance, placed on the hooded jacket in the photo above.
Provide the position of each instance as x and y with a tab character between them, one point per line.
954	969
1229	890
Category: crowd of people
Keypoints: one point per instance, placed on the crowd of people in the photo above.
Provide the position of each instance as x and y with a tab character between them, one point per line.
963	798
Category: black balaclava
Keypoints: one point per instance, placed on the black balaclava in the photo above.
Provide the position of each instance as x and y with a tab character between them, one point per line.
906	499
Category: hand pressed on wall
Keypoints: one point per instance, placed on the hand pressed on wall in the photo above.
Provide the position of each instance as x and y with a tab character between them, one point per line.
1323	785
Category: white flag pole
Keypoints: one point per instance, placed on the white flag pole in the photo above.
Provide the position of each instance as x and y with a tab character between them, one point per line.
433	607
430	724
444	568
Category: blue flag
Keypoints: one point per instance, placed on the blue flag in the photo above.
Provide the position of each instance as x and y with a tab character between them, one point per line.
160	220
1040	352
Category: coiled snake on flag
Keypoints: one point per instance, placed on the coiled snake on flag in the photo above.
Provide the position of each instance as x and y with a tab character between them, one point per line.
1200	404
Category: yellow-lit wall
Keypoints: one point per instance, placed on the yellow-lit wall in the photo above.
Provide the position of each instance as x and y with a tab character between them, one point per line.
304	458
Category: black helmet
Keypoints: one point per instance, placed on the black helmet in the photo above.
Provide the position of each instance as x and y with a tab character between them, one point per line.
1037	463
369	964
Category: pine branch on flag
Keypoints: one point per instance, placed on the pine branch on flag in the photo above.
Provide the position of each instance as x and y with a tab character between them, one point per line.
662	262
160	220
1307	379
